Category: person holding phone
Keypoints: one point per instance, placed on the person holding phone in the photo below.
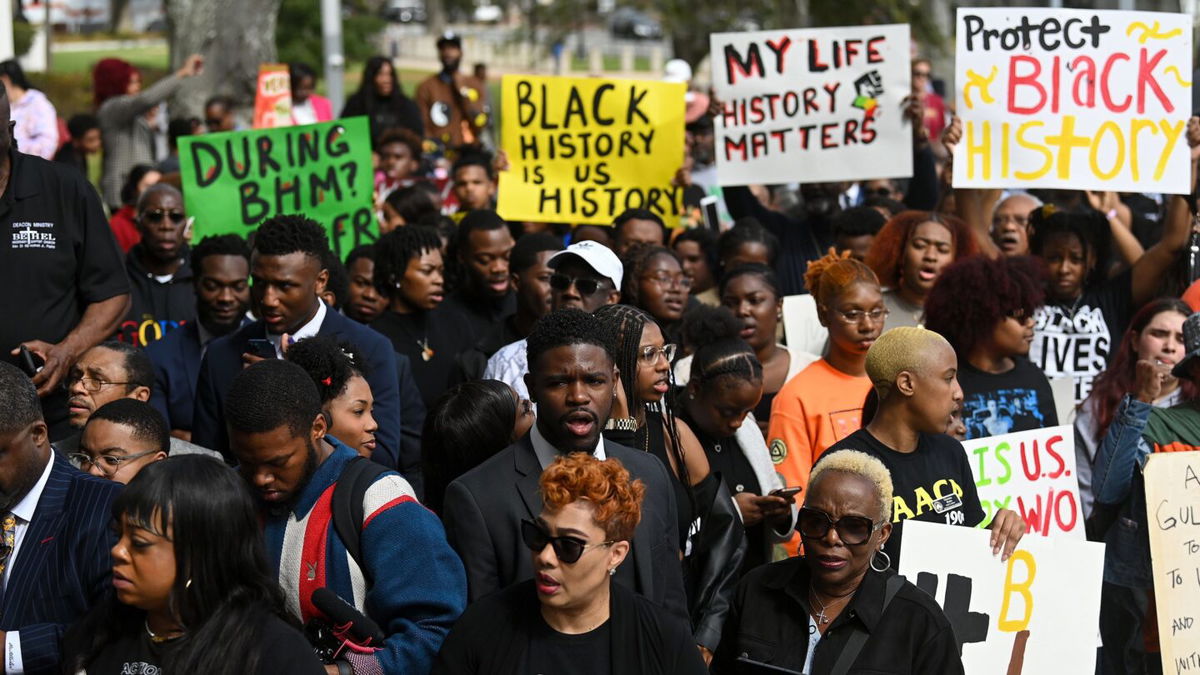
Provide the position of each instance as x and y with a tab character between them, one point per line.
725	383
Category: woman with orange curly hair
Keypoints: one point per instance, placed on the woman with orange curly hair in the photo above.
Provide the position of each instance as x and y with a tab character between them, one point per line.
909	253
1003	391
823	404
571	617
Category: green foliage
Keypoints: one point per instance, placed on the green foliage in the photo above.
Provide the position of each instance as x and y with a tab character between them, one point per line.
298	31
22	37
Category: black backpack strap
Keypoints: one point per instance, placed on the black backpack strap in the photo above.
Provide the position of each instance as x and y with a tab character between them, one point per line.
347	504
858	639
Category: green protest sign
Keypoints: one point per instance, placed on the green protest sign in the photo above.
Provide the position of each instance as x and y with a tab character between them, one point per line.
233	181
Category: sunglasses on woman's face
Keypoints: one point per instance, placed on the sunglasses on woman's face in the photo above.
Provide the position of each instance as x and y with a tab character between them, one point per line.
852	530
561	282
567	549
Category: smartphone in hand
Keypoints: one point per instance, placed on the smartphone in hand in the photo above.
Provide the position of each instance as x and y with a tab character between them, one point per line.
262	348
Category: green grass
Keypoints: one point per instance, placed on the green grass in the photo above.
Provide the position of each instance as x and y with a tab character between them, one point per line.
66	63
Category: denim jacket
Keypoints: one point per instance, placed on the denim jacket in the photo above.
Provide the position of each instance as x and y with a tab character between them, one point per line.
1117	480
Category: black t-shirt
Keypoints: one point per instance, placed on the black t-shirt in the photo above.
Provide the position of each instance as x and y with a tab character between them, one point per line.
553	653
283	651
933	483
57	253
447	334
1001	403
1079	339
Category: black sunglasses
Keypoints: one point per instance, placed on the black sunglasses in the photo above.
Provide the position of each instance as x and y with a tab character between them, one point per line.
568	549
156	215
852	530
561	282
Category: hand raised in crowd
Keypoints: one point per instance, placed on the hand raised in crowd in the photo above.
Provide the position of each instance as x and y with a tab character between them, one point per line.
774	509
500	161
1007	529
951	135
913	108
192	65
1148	379
57	360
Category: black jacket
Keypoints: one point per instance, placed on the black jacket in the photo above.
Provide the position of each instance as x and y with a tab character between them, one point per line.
484	507
158	307
493	635
769	623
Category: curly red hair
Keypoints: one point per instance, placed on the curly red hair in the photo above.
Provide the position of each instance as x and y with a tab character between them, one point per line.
887	252
827	277
954	308
605	484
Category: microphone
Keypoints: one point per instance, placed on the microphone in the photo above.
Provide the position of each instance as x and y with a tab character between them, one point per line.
352	624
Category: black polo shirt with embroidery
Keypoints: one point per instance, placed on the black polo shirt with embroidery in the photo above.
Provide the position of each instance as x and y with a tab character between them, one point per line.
57	253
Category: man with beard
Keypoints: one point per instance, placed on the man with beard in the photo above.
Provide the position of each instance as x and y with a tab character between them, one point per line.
484	294
573	380
221	284
397	567
158	268
54	534
453	104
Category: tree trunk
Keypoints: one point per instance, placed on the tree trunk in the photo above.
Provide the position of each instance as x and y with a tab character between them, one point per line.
435	16
235	36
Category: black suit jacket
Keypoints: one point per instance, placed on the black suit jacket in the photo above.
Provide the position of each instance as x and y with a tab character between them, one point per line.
484	508
176	359
387	372
62	567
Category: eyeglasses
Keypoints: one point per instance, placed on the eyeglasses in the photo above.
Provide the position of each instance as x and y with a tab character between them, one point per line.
561	282
855	316
668	280
157	215
91	384
567	549
650	353
852	530
108	464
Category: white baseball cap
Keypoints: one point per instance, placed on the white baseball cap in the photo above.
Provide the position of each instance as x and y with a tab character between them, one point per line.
598	256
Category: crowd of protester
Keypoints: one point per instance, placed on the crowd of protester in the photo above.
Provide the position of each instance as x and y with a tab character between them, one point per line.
481	446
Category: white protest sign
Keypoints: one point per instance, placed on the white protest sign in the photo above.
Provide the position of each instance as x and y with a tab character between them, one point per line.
1172	506
1081	99
1037	613
812	105
1032	473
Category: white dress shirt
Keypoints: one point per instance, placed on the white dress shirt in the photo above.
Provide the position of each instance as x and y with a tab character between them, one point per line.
23	512
546	453
306	331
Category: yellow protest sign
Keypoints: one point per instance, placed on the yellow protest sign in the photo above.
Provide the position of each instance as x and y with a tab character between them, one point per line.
582	150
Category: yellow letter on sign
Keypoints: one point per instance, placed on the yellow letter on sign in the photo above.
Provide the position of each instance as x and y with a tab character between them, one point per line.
1013	625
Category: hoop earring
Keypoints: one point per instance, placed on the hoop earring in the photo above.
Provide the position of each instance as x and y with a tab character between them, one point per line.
887	564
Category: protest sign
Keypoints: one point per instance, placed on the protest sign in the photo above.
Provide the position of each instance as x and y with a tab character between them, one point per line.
1172	507
812	105
235	180
1036	613
583	150
273	97
1080	99
1032	473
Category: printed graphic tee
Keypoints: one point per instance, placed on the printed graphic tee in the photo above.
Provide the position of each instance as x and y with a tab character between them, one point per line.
1079	339
1002	403
933	483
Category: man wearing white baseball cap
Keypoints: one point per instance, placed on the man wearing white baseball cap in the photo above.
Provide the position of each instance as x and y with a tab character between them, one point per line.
587	275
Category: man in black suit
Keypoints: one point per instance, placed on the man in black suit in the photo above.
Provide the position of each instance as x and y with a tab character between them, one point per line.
287	278
573	380
54	534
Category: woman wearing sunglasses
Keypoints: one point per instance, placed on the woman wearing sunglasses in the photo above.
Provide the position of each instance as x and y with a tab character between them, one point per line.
571	617
711	537
842	603
158	267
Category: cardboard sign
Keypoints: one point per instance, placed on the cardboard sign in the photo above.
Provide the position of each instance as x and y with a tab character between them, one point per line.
1172	506
1080	99
235	180
583	150
812	105
273	97
1032	473
1036	613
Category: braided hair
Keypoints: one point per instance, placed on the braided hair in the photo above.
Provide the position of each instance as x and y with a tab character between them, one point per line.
720	350
330	365
627	324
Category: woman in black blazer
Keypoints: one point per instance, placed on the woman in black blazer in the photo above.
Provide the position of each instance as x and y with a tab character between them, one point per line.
570	617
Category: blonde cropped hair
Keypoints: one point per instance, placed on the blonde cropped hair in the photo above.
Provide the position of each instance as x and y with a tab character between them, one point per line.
897	350
858	463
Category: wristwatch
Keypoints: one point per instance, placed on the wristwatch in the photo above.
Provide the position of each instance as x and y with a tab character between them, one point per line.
622	424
